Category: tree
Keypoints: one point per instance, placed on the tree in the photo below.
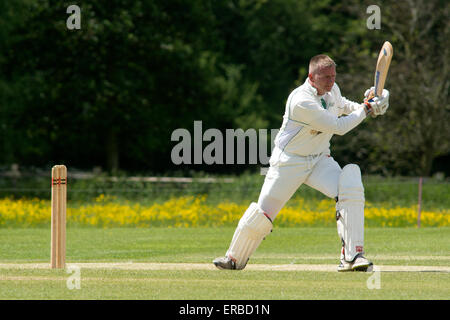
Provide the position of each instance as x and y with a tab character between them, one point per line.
415	129
418	122
116	89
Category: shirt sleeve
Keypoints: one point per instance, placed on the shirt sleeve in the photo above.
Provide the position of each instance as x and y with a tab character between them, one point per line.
311	114
349	106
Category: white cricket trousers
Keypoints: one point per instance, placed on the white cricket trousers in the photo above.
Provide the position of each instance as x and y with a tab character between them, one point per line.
288	172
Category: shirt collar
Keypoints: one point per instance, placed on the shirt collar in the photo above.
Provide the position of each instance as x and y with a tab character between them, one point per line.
312	89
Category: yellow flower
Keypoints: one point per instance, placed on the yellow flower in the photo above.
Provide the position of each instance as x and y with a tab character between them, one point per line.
194	211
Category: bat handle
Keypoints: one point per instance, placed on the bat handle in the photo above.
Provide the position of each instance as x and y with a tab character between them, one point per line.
370	97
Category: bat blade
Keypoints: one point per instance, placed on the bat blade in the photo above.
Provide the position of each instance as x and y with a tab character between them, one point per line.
382	68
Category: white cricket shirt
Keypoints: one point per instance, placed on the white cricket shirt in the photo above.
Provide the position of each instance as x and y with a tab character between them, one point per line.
310	120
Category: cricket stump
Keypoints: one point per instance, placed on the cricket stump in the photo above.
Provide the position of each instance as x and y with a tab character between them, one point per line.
58	223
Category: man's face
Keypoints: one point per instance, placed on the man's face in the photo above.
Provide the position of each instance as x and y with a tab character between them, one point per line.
323	79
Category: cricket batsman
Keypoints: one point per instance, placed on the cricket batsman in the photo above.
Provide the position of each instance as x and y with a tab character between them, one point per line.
315	111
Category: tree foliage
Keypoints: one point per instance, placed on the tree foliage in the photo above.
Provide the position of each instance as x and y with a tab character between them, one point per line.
112	93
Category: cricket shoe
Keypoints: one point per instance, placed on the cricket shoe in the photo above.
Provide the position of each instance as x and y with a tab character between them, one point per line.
224	263
227	263
360	263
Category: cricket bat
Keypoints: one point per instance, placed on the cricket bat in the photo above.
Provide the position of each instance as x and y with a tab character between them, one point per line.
382	68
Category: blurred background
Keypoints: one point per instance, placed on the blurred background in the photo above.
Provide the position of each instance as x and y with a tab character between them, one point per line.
107	97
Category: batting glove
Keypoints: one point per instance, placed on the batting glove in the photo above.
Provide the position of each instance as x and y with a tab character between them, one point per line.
369	92
378	105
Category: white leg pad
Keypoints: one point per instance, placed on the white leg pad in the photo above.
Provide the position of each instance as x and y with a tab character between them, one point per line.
251	230
350	211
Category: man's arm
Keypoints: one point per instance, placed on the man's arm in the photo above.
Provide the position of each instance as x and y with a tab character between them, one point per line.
309	113
346	106
349	106
376	106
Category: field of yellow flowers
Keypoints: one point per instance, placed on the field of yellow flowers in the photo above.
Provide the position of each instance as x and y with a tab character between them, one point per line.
194	211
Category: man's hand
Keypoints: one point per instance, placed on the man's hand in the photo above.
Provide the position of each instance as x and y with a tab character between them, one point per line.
376	106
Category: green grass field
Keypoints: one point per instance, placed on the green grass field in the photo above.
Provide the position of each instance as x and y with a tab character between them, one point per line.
198	246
